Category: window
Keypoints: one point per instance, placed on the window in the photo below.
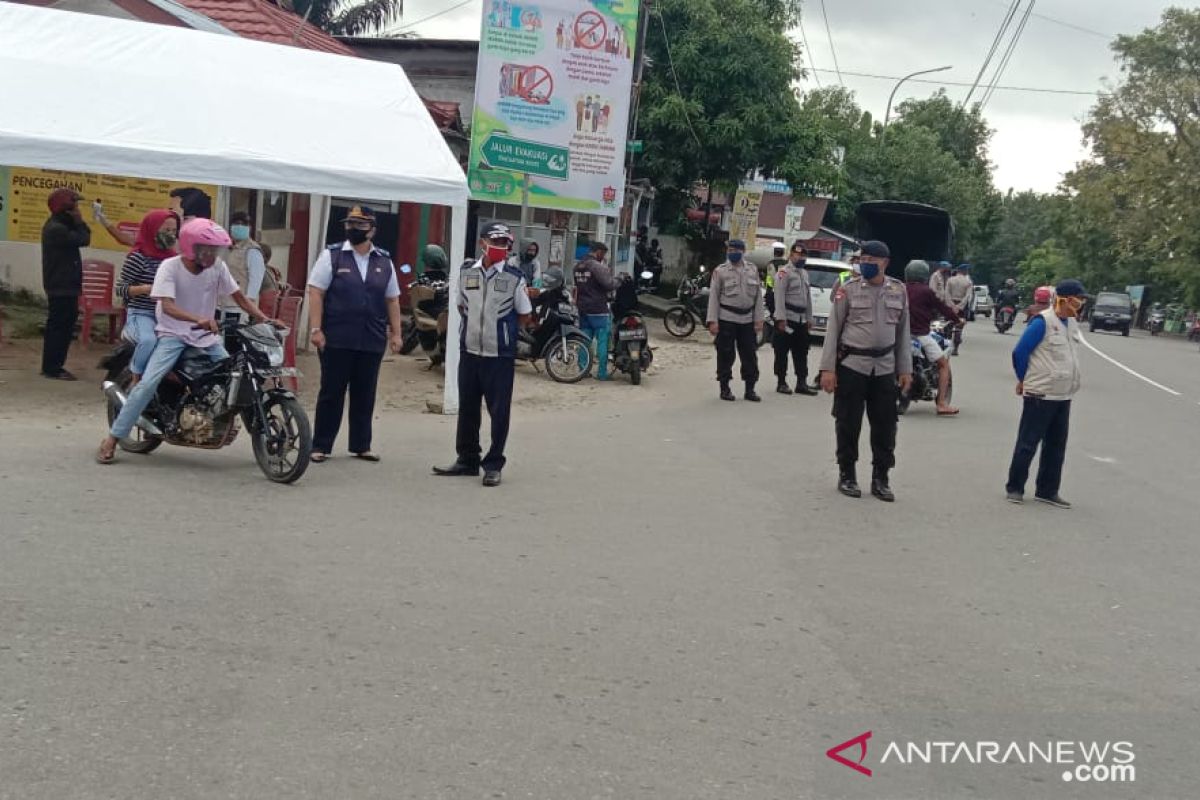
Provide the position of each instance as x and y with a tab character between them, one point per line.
274	214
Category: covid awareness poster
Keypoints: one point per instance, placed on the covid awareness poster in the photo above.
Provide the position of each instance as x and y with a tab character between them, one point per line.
552	102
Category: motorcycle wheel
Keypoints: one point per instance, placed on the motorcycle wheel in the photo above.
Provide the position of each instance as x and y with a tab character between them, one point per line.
679	322
570	365
635	372
411	340
138	442
284	449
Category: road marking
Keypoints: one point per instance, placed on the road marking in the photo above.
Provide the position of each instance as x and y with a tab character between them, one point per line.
1132	372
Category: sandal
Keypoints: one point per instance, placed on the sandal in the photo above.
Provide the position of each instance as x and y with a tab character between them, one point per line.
318	457
949	411
106	457
367	455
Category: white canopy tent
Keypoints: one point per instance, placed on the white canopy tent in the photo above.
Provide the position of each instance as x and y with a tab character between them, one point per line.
94	94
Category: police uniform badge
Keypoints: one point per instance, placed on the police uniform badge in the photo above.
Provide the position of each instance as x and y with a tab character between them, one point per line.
471	282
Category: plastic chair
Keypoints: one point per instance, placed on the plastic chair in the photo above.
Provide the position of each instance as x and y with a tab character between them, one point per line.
268	301
96	300
289	314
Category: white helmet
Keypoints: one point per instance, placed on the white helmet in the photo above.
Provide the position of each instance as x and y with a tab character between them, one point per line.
779	248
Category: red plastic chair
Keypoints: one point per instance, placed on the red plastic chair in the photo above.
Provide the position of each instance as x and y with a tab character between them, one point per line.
96	300
289	314
268	301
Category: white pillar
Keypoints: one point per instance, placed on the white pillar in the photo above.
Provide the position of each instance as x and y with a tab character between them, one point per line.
458	254
319	207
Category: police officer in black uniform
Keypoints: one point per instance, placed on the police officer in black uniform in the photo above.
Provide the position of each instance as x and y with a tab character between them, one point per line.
494	303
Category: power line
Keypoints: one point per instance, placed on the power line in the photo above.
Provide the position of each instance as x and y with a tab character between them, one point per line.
1008	18
808	53
962	83
671	61
1012	46
832	50
432	16
1065	24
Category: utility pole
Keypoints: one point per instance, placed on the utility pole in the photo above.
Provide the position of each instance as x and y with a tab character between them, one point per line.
635	105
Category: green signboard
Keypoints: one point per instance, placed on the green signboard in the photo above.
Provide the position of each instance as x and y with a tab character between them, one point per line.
635	146
520	155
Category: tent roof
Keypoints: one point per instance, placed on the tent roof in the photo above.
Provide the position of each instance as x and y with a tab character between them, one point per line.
229	111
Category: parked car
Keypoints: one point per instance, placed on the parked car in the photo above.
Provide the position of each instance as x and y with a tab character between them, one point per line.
983	301
823	275
1112	311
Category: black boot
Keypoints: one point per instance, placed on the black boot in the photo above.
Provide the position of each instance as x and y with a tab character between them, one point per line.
726	392
802	387
782	387
848	482
880	488
751	395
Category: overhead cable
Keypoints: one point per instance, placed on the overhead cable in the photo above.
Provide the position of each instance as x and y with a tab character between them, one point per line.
671	61
962	83
1012	45
808	54
1008	18
829	34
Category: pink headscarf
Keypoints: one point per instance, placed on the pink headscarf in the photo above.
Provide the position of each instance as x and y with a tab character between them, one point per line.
146	243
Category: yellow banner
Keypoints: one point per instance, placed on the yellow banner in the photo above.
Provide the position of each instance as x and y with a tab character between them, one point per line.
124	200
743	222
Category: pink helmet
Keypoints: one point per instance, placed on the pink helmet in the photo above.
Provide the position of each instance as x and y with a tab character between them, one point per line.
201	231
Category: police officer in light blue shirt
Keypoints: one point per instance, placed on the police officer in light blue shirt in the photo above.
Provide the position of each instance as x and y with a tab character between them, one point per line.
494	304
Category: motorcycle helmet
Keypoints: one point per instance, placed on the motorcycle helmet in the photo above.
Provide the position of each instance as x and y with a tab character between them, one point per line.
917	271
203	233
1010	284
434	258
552	279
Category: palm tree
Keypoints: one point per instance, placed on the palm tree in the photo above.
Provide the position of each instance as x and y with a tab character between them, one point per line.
347	17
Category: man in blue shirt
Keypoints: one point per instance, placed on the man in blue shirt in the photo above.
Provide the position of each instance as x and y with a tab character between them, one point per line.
1046	363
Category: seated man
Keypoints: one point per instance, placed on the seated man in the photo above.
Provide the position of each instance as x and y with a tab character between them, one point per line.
923	303
187	288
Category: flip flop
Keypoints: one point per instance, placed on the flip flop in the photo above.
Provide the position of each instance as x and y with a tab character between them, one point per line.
947	412
367	456
319	458
106	458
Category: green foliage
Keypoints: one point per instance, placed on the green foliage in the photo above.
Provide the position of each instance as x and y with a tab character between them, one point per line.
963	134
350	17
734	111
1045	265
1024	220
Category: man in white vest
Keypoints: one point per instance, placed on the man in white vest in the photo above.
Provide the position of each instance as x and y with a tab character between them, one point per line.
1046	361
246	264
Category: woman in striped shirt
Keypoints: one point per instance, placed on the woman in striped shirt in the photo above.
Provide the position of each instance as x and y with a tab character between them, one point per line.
155	243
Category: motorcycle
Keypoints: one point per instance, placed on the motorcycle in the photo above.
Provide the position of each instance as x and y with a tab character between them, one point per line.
924	375
557	341
429	318
1194	331
201	402
1004	319
629	349
1157	321
691	307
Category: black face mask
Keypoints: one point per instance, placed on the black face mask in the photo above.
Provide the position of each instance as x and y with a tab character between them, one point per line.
356	236
528	257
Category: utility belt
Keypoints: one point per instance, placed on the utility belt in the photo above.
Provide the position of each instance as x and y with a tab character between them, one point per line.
873	352
796	309
736	310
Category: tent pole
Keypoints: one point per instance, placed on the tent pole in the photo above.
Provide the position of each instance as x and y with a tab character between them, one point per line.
458	254
319	206
525	184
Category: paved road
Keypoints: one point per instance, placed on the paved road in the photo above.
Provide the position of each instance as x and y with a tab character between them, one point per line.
666	599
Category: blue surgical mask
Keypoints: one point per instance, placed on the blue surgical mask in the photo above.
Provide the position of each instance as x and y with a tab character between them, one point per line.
734	257
869	270
239	232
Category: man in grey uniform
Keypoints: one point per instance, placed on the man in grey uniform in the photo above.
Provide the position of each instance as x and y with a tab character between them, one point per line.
793	302
494	304
735	316
960	293
867	349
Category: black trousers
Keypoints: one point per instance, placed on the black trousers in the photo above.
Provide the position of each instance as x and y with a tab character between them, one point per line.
796	345
1044	422
61	315
482	380
877	394
345	370
737	338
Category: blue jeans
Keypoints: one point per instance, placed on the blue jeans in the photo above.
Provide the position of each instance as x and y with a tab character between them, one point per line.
599	328
1046	423
139	329
166	353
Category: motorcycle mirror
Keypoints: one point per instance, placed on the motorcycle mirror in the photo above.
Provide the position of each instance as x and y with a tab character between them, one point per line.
647	274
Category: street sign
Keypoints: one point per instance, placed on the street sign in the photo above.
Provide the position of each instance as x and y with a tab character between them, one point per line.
501	151
635	145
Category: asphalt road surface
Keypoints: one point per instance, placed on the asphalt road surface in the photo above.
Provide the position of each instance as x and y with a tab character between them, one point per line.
666	599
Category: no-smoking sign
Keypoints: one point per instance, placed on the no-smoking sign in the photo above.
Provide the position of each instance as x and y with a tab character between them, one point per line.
591	30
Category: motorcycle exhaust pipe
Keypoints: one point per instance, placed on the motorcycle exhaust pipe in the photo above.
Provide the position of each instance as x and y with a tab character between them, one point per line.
113	392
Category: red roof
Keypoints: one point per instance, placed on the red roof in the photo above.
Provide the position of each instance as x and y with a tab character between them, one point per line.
266	22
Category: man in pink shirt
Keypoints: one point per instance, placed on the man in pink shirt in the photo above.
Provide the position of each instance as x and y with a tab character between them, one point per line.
187	288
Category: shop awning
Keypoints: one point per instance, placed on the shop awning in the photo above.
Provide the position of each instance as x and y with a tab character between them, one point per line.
96	94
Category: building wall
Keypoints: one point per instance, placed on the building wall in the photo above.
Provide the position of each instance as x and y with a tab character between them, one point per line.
21	263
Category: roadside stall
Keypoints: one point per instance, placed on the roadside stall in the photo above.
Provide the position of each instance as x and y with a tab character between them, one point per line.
116	97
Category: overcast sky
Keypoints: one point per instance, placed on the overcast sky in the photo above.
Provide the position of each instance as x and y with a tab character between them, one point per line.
1037	135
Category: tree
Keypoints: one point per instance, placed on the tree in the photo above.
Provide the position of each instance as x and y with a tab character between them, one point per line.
1025	221
964	134
349	17
717	103
1045	265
